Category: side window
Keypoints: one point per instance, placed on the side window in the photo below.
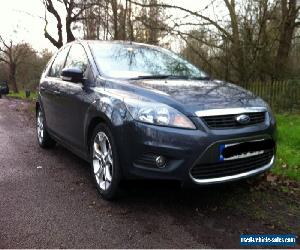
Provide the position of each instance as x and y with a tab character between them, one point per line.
58	63
77	58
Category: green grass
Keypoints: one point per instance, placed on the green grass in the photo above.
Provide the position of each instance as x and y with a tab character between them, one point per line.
21	95
288	147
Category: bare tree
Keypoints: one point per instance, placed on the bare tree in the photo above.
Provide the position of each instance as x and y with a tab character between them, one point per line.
122	20
231	33
245	40
242	45
13	56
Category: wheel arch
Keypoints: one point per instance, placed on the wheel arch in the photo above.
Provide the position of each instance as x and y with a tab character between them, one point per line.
37	106
91	126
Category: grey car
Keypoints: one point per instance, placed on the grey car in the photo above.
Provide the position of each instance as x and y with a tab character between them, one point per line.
136	111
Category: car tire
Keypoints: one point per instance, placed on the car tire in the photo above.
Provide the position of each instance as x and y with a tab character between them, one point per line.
43	137
104	160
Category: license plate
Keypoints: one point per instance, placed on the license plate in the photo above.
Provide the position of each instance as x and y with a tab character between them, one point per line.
242	150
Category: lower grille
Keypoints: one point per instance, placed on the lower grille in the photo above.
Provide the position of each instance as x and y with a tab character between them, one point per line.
229	121
146	160
232	167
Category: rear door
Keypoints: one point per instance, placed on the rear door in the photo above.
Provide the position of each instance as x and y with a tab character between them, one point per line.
49	91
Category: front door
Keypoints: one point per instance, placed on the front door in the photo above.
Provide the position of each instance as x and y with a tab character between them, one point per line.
49	92
74	99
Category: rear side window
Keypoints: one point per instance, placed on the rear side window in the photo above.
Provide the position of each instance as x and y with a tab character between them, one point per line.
59	63
77	58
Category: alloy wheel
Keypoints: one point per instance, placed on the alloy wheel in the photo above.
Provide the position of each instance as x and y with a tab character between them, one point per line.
102	161
40	126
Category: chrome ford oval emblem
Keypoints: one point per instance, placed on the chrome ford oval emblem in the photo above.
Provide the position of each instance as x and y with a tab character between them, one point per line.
243	119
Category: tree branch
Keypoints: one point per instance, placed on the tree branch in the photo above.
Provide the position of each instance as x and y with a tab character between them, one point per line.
50	8
3	42
212	22
4	60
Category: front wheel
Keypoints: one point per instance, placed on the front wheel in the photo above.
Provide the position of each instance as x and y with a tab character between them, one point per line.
44	139
104	161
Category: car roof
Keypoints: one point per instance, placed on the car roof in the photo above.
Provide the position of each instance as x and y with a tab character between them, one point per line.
120	42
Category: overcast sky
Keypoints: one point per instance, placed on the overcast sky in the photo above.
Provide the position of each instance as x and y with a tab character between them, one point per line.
20	20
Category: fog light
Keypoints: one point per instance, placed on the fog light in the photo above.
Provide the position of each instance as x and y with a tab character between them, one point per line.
160	161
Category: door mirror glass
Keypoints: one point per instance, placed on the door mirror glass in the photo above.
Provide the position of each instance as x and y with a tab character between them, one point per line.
73	74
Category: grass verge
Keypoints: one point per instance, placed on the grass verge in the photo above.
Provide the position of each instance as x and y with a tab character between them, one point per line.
288	147
22	95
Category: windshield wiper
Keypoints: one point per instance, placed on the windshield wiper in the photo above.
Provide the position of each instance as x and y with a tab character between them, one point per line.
201	78
161	77
151	77
169	77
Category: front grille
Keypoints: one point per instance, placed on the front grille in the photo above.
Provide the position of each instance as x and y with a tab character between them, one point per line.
229	121
231	167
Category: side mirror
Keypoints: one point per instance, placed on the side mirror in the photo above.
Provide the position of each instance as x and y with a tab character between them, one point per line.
72	75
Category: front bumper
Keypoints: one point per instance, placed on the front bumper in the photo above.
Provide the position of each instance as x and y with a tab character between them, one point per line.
183	150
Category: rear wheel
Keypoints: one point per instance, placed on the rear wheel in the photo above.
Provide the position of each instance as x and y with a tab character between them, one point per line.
44	139
104	161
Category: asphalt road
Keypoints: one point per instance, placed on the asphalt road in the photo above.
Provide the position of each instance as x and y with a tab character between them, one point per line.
48	200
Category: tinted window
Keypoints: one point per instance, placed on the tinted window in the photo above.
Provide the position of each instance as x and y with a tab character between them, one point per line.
58	63
77	58
127	61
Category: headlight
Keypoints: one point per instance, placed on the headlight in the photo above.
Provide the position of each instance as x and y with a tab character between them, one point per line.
158	114
270	113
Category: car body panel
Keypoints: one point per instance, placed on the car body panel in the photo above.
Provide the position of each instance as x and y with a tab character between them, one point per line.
202	94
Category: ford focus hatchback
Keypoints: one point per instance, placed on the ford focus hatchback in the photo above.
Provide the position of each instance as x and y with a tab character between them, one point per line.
139	111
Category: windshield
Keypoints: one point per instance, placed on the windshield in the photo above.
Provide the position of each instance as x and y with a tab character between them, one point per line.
138	61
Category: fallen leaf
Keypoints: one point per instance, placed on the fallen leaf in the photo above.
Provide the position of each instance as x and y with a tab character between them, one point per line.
271	178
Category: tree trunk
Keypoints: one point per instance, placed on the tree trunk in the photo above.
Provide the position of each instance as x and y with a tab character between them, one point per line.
284	48
114	6
289	14
70	36
12	77
153	29
238	52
